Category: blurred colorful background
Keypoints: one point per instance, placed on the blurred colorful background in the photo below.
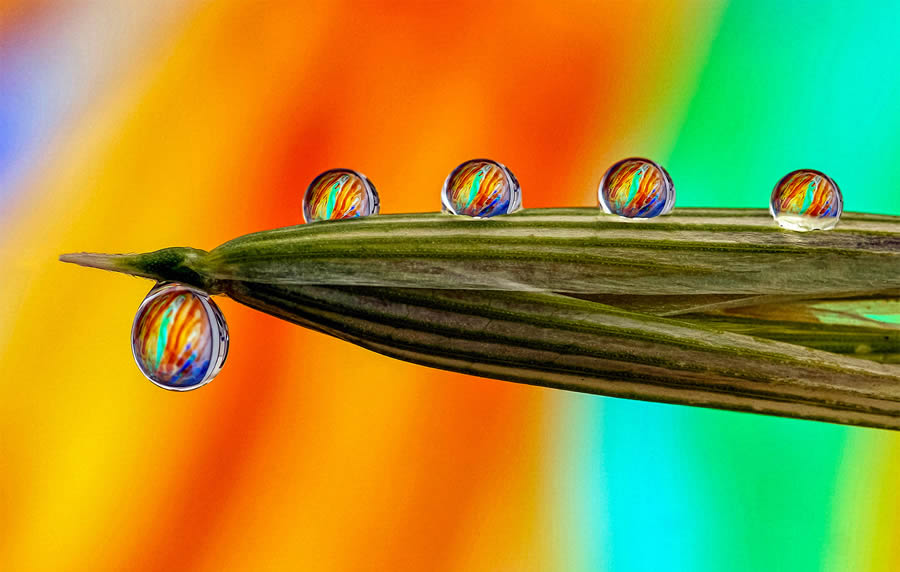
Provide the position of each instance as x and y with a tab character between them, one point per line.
130	126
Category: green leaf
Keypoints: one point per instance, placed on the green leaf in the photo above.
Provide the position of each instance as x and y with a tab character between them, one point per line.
573	299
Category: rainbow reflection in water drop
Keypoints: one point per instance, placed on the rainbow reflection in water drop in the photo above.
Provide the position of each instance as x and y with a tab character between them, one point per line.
339	194
636	188
805	200
481	188
179	338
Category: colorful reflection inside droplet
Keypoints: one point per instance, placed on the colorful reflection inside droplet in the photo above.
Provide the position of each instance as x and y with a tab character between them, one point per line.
339	194
636	188
481	188
179	337
806	200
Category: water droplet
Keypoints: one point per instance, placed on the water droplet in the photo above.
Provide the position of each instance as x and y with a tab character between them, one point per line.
481	188
179	338
338	194
806	200
636	188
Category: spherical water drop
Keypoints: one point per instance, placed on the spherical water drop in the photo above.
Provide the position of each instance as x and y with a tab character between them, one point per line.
179	338
806	200
481	188
636	188
339	194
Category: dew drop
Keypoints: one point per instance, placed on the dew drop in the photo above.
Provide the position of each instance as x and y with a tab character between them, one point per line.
338	194
806	200
636	188
481	188
179	337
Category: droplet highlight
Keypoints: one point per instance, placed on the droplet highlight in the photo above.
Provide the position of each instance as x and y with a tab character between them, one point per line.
339	194
636	188
805	200
179	337
481	188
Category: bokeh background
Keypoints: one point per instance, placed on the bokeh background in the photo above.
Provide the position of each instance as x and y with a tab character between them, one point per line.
130	126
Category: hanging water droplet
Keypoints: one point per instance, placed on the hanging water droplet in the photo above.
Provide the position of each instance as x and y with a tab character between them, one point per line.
636	188
481	188
338	194
806	200
179	337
